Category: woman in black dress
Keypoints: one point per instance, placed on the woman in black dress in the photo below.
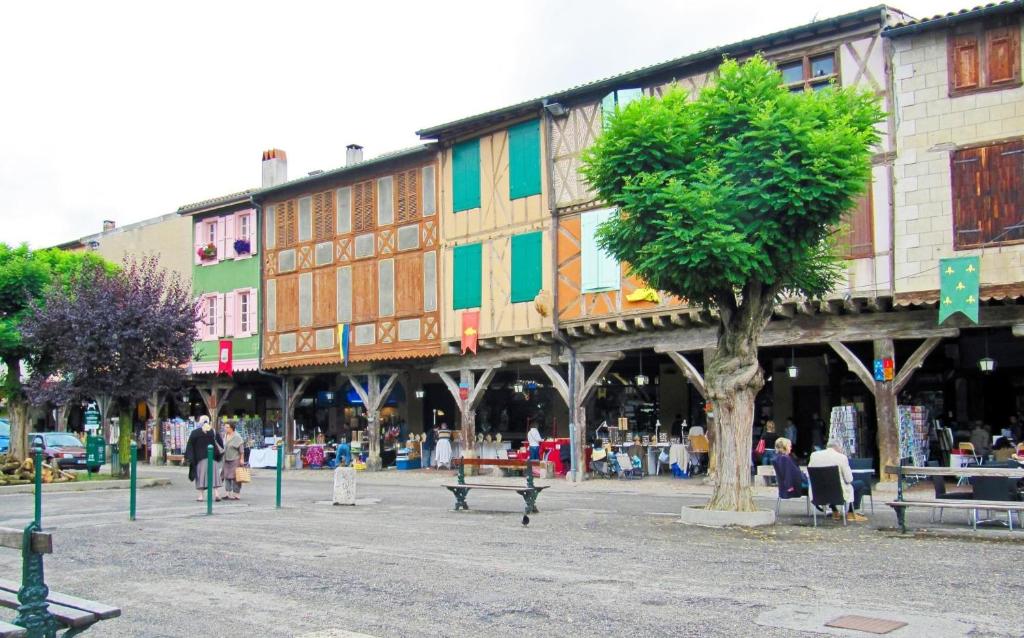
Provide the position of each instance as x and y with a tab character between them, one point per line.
195	456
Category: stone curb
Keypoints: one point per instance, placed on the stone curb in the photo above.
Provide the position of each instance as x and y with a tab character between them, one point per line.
83	486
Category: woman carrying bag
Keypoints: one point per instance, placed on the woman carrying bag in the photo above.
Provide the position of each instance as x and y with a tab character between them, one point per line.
234	473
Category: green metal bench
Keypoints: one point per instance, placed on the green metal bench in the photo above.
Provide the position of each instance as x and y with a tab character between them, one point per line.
42	613
529	492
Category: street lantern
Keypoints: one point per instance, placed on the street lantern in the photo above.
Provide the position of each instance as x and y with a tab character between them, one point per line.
420	394
987	364
793	371
641	378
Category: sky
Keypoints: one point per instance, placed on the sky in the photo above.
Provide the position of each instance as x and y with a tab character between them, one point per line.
128	110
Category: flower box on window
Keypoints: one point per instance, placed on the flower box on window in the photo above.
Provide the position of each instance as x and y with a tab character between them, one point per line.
242	247
207	252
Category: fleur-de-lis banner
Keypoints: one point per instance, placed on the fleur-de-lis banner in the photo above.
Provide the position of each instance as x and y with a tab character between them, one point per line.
959	281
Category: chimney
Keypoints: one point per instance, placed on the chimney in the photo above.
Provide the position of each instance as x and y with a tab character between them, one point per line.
275	167
108	225
353	154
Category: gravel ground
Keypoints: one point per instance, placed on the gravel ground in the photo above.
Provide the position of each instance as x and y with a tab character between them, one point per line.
605	558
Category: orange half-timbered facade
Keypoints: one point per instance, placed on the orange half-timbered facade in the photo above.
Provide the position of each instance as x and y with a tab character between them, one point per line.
355	247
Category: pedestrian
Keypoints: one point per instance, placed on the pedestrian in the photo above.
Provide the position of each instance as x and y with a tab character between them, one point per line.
195	456
769	436
534	439
790	431
234	458
429	442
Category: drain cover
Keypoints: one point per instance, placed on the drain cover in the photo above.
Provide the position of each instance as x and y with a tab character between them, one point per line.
866	623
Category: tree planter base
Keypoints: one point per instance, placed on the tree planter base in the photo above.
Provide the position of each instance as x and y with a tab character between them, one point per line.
710	518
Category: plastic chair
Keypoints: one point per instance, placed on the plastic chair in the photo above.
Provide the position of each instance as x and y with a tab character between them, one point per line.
994	488
969	447
939	483
826	489
865	464
784	494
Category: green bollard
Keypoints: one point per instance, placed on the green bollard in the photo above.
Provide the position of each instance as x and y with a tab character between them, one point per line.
131	500
209	480
280	465
38	465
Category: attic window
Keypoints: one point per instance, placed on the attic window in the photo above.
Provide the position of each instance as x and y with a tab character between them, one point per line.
812	72
618	100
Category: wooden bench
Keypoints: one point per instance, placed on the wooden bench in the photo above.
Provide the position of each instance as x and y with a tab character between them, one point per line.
900	505
42	612
529	492
178	459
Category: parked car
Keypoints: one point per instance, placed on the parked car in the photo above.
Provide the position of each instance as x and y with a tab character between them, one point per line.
5	435
61	448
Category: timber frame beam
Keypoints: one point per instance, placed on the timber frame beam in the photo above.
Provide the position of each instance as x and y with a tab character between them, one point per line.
689	370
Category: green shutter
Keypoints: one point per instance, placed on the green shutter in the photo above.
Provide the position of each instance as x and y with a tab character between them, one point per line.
524	159
466	175
466	269
527	266
600	271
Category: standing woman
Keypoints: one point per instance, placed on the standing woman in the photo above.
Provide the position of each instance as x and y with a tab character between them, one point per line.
234	457
195	455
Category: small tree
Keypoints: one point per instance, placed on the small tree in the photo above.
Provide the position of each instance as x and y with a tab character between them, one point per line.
25	278
729	201
115	338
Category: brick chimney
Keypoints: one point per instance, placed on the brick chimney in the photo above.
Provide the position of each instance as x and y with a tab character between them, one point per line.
275	167
109	225
353	154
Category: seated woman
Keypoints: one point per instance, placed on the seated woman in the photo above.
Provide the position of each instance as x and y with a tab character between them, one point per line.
792	482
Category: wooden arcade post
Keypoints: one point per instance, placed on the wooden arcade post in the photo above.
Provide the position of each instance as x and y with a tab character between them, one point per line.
373	397
468	392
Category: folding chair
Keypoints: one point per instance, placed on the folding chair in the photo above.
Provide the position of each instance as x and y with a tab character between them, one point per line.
826	489
625	467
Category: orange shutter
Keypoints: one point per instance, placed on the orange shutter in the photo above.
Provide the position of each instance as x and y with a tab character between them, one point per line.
323	216
859	240
968	197
287	224
325	292
407	196
1002	49
408	284
964	63
1007	178
364	290
287	303
363	207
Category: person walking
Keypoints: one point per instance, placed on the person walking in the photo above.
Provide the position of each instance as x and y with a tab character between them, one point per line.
195	456
234	458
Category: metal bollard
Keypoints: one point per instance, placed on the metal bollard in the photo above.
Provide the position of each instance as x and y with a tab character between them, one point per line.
133	482
38	465
280	466
209	479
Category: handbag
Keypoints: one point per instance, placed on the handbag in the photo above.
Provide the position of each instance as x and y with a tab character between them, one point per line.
243	475
759	450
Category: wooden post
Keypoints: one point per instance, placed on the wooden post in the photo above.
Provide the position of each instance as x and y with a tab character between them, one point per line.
215	396
373	397
288	394
475	388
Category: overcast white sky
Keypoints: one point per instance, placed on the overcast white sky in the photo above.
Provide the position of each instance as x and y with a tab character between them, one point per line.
125	111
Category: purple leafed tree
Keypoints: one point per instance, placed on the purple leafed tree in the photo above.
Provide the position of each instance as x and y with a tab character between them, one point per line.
115	338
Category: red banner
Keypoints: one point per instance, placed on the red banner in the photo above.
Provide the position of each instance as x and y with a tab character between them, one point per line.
470	330
224	365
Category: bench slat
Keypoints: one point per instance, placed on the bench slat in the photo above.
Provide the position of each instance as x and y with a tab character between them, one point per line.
66	615
961	504
8	630
100	610
495	487
42	542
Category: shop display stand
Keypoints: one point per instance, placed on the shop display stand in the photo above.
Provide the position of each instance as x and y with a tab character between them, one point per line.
843	426
913	430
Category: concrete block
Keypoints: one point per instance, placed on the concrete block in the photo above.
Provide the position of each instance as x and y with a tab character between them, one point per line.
1013	126
976	115
345	486
1003	111
989	129
937	106
904	71
906	184
908	241
912	83
919	225
710	518
906	99
989	99
963	103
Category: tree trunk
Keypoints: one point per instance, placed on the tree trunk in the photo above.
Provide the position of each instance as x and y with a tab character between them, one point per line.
124	439
62	413
18	409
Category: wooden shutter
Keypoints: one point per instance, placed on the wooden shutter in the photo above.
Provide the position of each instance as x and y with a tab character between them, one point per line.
858	240
287	303
970	195
1002	53
323	216
364	291
466	175
466	275
527	266
363	206
407	196
325	291
964	63
524	159
1007	186
287	224
230	314
408	284
599	270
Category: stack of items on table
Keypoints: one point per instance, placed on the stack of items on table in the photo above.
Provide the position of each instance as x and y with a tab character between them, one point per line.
175	434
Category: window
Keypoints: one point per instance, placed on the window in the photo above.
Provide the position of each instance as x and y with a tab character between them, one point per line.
409	237
429	189
210	232
305	219
244	321
466	283
466	175
271	304
271	225
345	210
526	266
209	323
812	72
429	281
600	270
984	56
306	299
386	287
385	201
207	232
857	238
244	222
988	195
524	159
617	100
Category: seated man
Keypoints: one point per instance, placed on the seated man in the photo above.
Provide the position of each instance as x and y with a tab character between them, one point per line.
853	489
792	482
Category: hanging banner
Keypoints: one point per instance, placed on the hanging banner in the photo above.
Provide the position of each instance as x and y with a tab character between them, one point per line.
470	330
224	364
959	282
343	336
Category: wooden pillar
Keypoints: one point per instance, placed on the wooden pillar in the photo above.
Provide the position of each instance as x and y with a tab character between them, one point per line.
288	394
468	393
373	397
215	396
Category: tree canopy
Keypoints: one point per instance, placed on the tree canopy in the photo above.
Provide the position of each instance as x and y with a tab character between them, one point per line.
744	184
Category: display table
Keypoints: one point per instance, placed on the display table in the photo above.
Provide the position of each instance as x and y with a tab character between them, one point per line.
263	457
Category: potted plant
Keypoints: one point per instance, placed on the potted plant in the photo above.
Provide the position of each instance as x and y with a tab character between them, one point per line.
242	247
207	252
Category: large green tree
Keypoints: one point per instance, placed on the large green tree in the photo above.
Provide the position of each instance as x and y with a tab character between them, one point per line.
730	201
25	278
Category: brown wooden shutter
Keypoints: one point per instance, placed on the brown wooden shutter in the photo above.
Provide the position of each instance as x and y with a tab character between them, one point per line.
408	284
364	290
1007	177
325	295
964	63
323	216
860	237
407	196
969	195
363	209
287	303
287	224
1002	52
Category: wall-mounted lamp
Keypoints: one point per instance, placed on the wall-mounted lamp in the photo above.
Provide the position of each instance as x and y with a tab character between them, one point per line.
987	364
420	393
248	396
555	109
